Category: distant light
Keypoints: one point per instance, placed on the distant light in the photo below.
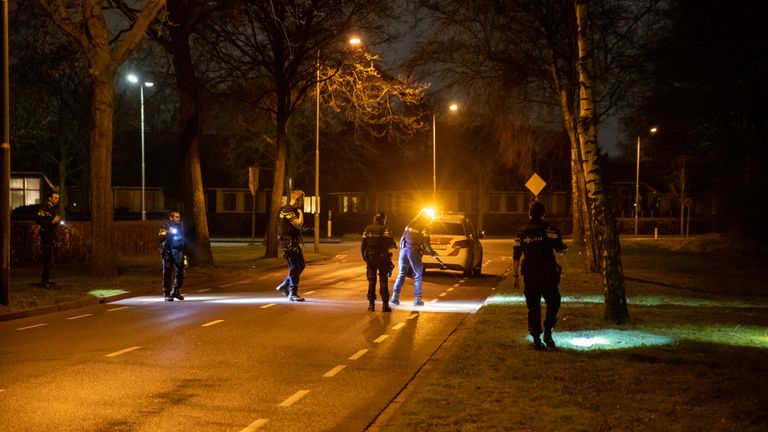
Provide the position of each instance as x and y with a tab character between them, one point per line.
355	40
429	212
654	129
454	107
133	78
149	84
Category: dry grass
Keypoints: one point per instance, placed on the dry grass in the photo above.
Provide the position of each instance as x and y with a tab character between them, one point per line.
712	374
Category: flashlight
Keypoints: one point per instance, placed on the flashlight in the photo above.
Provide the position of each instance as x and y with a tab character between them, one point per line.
174	230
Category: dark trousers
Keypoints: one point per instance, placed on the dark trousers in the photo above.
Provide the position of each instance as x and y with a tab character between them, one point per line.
173	269
295	258
46	256
534	291
371	273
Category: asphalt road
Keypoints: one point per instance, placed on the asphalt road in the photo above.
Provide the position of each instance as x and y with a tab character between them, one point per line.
235	355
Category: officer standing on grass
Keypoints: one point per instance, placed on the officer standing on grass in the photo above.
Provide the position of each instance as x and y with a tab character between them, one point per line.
413	244
536	242
171	238
375	246
291	222
48	219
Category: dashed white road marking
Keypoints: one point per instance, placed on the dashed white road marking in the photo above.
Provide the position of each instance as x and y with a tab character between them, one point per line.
457	285
380	338
204	290
309	292
358	354
450	289
123	351
267	306
442	295
31	327
255	425
208	324
265	277
433	301
293	399
331	373
398	326
235	283
78	317
412	316
340	256
117	308
462	280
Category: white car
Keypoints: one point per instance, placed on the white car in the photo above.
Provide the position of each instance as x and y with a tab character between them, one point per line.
457	244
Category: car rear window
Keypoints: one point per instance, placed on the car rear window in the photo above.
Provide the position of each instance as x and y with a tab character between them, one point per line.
446	228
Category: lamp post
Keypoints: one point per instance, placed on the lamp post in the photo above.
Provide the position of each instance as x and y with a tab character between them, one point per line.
637	181
354	41
453	107
134	79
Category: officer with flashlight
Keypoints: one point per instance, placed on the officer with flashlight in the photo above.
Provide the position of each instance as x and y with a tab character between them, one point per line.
172	252
48	219
375	246
291	223
413	244
536	243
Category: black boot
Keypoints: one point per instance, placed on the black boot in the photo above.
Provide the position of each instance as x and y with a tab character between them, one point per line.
176	294
371	306
548	339
385	305
167	295
537	345
295	297
283	289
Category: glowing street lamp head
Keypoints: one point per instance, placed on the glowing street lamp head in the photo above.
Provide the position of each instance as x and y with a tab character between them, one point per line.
132	78
453	107
430	212
355	41
654	129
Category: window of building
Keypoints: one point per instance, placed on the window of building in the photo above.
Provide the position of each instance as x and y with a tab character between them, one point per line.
229	201
25	191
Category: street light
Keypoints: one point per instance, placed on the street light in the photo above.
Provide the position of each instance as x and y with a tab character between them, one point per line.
453	107
354	41
653	130
135	80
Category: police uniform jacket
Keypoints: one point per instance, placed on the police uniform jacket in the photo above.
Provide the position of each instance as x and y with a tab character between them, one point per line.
287	233
376	243
537	243
171	236
44	218
415	237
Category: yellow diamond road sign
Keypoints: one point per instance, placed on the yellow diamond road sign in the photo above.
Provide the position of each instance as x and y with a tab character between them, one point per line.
535	184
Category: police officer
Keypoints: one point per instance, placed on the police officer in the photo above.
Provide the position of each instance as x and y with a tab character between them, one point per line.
171	237
48	219
536	242
413	244
291	222
375	246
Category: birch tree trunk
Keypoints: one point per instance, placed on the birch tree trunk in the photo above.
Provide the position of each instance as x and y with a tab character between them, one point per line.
613	278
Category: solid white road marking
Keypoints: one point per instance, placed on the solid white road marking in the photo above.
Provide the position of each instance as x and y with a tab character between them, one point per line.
358	354
380	338
123	351
267	306
293	399
208	324
79	316
398	326
31	327
331	373
117	309
255	425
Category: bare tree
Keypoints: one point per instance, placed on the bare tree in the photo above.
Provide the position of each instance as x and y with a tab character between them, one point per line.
86	23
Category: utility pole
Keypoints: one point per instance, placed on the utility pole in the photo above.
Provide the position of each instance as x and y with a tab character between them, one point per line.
5	166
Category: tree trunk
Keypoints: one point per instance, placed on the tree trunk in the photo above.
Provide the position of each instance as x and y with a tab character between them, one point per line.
103	262
190	90
278	179
613	278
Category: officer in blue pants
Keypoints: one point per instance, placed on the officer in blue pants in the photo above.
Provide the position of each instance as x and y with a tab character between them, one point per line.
413	244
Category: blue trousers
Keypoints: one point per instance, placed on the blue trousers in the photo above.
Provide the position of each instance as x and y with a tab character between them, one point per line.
410	259
296	265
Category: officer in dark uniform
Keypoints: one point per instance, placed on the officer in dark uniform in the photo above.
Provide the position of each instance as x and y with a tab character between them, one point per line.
413	244
536	242
171	237
291	222
375	246
48	219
